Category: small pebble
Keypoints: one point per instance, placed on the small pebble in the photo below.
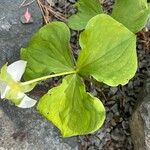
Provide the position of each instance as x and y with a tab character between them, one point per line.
125	124
72	1
117	135
114	108
113	90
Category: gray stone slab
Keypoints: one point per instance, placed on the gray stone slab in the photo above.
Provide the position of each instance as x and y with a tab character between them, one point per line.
140	121
23	129
14	34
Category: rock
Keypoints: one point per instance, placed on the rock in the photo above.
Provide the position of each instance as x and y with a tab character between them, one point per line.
114	108
117	135
14	34
113	90
140	122
23	129
72	1
91	148
125	124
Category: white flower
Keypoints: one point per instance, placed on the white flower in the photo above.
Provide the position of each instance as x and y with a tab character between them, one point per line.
15	71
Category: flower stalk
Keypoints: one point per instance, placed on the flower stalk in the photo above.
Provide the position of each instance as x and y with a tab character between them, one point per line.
48	77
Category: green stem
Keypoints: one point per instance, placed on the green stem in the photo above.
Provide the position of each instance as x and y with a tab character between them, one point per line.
47	77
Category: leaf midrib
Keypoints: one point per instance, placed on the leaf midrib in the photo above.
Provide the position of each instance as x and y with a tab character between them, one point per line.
81	67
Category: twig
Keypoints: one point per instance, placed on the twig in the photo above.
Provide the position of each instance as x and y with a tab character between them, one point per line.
56	14
99	90
23	3
28	3
41	8
47	10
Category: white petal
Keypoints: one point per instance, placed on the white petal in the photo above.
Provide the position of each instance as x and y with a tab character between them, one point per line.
27	102
17	69
20	95
4	89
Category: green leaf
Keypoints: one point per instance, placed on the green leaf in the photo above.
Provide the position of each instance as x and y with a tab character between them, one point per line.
131	13
108	51
48	51
71	108
86	10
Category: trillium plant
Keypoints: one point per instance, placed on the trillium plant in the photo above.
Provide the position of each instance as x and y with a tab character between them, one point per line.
107	54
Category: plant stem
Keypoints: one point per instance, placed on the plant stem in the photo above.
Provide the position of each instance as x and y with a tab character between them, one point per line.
48	77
